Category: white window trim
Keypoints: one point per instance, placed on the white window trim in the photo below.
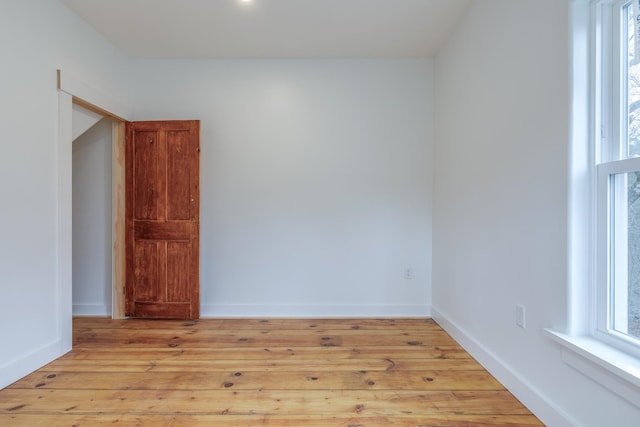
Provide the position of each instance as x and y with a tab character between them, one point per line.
582	347
612	368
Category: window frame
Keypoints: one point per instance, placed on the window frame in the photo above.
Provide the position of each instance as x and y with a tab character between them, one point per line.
611	113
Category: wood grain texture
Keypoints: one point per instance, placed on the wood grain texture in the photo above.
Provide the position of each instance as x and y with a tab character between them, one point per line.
232	372
162	219
119	221
159	230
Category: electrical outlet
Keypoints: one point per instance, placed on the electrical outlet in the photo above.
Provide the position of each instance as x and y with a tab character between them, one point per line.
408	273
521	316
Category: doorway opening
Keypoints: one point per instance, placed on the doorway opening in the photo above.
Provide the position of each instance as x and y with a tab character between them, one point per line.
92	214
93	97
97	212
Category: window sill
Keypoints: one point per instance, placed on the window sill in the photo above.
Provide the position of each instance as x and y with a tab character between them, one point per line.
612	368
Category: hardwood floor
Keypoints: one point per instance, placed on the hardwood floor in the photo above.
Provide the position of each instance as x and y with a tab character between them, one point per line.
232	373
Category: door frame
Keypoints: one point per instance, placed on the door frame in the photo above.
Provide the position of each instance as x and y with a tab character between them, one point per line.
96	97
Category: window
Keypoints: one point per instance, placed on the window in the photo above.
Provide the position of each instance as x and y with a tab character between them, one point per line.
617	189
602	337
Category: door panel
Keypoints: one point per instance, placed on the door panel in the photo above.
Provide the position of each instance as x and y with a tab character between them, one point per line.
162	230
178	179
178	271
161	310
162	233
146	271
146	161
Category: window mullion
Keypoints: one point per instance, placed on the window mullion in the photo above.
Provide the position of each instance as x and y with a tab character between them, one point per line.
618	304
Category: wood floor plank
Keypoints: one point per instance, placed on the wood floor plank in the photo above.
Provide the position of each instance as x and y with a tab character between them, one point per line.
279	421
176	329
276	372
260	353
253	380
245	338
279	402
264	365
421	324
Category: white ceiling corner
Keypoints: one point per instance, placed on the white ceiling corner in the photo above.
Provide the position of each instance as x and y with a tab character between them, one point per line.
273	28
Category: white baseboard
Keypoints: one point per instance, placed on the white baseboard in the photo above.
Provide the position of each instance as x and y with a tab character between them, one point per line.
14	370
314	311
91	310
532	398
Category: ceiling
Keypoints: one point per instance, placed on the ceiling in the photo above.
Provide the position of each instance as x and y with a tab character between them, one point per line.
273	28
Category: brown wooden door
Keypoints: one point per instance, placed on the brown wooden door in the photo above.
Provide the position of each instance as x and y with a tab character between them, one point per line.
163	221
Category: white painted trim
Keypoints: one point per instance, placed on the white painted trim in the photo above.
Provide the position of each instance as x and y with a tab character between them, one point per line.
88	92
65	158
12	371
614	369
580	206
314	311
71	88
549	413
101	310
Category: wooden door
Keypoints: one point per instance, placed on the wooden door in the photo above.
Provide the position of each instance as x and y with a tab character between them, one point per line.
162	219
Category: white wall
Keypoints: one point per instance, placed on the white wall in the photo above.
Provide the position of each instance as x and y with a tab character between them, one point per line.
36	38
316	187
500	204
92	237
316	181
82	120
